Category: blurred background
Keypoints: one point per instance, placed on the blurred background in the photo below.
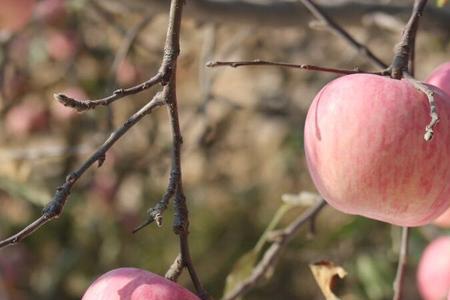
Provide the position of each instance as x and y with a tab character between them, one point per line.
242	147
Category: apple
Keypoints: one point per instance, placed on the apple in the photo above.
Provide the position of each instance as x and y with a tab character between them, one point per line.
15	14
51	11
440	77
26	117
135	284
126	73
366	153
433	273
62	45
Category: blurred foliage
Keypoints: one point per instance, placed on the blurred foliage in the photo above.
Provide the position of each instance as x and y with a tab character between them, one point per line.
242	151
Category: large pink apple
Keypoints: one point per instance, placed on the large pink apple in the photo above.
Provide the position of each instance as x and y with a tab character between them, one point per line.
366	153
440	77
135	284
433	273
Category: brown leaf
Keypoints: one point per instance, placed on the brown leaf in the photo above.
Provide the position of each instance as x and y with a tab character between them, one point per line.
325	273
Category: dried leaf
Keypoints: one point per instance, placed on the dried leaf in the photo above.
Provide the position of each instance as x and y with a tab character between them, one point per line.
325	273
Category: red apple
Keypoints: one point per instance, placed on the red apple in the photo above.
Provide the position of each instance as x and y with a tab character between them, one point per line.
440	77
135	284
366	153
433	273
15	14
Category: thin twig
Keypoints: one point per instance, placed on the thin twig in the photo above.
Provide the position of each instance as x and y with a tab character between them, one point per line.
82	105
129	39
56	205
259	62
273	252
402	262
339	31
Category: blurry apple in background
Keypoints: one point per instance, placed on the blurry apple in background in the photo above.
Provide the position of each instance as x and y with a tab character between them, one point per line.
440	77
15	14
126	73
365	149
29	116
61	45
135	284
51	11
62	113
433	273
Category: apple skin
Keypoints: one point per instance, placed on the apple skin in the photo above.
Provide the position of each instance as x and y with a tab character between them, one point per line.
440	77
433	272
366	153
135	284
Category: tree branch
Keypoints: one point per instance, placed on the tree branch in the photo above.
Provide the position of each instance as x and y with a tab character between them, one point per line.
322	16
406	44
259	62
56	205
272	254
82	105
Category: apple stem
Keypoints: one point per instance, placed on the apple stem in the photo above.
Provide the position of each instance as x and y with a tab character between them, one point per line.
402	263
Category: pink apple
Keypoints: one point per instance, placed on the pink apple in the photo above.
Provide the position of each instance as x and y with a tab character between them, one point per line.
51	11
126	73
443	220
440	77
135	284
15	14
433	273
26	117
61	45
366	153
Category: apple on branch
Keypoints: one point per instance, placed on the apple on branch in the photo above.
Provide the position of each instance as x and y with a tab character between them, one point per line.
366	152
135	284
